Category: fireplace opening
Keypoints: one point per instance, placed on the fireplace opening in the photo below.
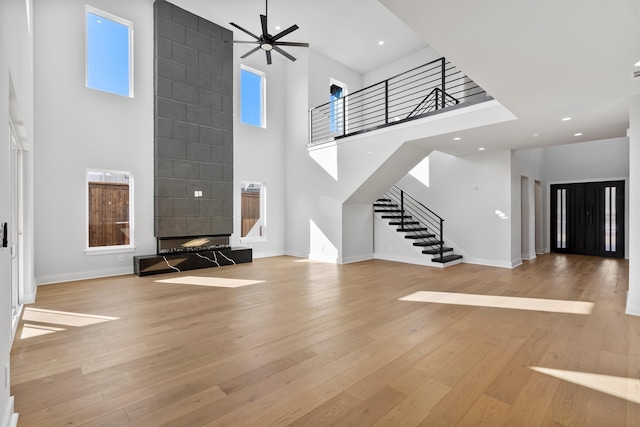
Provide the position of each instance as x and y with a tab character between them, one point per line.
176	245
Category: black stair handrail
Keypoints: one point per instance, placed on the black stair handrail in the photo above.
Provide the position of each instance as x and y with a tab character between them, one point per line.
394	101
409	205
432	101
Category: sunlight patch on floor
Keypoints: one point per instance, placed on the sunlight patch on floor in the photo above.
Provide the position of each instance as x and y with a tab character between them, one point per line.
516	303
218	282
622	387
313	261
29	330
64	317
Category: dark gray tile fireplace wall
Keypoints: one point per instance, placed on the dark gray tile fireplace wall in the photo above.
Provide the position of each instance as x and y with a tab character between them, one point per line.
193	124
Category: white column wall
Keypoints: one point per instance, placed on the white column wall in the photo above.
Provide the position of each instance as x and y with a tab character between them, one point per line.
79	128
16	93
526	168
633	298
259	153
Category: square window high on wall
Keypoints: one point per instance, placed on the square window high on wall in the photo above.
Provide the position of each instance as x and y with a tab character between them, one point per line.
252	97
109	52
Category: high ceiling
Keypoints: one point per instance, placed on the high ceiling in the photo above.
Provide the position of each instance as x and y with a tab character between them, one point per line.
345	30
543	60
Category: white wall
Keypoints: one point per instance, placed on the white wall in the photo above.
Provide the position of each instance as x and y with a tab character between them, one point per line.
407	63
321	70
259	154
633	239
526	169
16	64
592	161
467	191
314	210
79	128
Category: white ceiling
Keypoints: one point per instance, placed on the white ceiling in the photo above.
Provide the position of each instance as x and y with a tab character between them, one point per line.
543	60
345	30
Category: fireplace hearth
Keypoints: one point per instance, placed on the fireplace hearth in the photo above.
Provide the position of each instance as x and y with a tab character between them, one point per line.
178	245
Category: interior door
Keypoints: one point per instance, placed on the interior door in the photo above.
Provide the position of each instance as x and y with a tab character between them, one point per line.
588	218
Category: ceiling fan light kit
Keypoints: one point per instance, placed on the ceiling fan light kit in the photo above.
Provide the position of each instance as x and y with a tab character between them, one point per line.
267	42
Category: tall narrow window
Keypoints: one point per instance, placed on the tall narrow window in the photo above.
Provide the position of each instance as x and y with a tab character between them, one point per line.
252	97
610	219
253	208
109	55
336	109
109	200
561	218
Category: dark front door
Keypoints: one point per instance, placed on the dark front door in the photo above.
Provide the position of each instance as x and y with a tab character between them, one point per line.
588	218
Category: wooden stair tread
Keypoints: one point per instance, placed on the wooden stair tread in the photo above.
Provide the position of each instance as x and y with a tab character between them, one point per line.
434	243
447	258
436	251
420	236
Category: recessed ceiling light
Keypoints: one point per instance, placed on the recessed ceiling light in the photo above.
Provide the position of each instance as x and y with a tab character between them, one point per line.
535	135
457	138
278	28
566	119
577	134
381	42
637	64
481	149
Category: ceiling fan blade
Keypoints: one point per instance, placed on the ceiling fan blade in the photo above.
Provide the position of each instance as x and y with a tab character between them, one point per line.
250	52
282	52
242	29
263	21
268	52
244	41
285	32
293	44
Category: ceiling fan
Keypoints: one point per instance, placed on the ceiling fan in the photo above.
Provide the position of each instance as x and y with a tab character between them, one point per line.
266	41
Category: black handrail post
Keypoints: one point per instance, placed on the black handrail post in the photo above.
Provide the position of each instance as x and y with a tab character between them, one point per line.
344	115
441	237
444	78
402	210
310	125
386	101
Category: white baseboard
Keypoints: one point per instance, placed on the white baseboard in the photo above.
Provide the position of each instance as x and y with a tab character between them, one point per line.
296	254
632	309
30	298
351	259
83	275
492	262
323	258
9	418
257	255
409	260
528	257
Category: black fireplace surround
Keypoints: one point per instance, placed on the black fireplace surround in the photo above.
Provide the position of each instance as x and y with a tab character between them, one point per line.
178	254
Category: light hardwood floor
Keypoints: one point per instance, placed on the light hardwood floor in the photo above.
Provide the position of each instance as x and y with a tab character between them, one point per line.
312	344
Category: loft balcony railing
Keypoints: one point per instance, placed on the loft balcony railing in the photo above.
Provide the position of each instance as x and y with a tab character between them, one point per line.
428	89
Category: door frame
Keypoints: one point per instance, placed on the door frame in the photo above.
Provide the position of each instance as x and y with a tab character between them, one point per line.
548	214
16	228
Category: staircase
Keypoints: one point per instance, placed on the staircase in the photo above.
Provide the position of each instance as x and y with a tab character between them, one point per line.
436	99
421	227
